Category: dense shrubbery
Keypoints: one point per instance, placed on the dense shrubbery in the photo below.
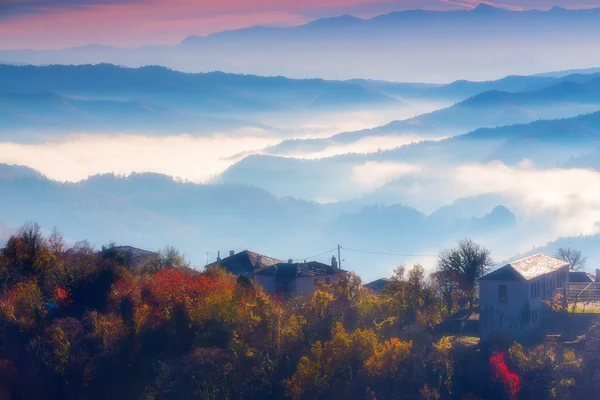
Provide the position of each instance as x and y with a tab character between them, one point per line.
75	323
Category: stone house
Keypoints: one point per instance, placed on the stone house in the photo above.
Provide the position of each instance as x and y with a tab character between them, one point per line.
511	297
278	277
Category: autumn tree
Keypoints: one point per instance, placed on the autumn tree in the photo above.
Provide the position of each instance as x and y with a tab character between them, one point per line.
548	371
26	252
466	263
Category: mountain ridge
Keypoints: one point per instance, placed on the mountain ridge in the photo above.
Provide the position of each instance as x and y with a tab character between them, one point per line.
329	48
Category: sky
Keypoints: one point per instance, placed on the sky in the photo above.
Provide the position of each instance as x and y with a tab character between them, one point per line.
52	24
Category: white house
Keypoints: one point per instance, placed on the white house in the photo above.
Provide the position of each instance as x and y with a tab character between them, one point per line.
511	296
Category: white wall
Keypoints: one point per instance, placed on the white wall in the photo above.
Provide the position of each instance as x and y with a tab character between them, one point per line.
510	318
497	317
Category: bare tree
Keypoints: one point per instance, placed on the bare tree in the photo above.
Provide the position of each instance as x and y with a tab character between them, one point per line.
574	257
56	243
32	243
466	263
31	235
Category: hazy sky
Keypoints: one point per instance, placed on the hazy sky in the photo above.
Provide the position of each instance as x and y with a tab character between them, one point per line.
43	24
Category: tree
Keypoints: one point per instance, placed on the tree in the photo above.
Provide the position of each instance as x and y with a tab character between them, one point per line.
466	263
24	251
169	257
574	257
444	287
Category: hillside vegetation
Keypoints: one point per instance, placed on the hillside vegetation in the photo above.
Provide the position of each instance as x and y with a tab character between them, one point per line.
80	324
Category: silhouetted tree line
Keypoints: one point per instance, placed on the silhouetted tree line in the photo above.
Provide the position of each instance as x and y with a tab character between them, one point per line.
77	323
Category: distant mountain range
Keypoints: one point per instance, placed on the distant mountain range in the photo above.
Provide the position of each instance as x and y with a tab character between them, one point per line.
213	92
26	116
151	210
555	98
108	98
546	143
418	45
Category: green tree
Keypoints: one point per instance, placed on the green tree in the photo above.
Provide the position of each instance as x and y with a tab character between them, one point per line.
169	257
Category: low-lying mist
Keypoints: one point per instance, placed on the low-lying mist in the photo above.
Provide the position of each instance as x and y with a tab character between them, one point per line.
197	157
567	200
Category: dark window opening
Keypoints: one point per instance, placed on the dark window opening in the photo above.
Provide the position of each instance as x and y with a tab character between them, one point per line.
532	290
503	294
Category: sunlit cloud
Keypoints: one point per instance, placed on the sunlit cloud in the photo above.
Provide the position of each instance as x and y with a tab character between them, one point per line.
75	156
324	125
569	199
572	196
196	159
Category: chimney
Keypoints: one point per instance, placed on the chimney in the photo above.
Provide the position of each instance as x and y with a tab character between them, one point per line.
290	261
598	275
218	256
304	271
231	253
334	263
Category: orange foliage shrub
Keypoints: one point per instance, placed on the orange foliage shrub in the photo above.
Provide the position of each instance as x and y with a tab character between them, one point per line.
23	304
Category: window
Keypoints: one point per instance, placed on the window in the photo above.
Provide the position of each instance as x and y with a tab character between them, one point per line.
532	286
327	281
503	294
316	282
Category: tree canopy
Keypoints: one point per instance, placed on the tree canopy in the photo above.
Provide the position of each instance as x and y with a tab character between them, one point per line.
465	264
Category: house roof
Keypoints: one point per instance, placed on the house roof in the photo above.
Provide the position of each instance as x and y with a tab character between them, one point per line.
130	251
581	277
132	256
526	269
379	284
245	263
294	270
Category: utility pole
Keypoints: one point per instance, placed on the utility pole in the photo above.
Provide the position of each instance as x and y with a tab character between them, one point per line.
339	257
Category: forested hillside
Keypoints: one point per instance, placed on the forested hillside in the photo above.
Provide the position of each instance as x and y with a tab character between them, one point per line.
78	323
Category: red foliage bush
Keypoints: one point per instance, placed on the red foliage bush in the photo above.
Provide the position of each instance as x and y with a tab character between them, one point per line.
501	374
61	296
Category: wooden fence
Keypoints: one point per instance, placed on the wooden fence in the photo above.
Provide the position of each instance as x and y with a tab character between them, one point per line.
581	297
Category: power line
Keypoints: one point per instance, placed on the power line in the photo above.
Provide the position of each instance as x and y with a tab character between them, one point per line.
409	255
389	254
318	255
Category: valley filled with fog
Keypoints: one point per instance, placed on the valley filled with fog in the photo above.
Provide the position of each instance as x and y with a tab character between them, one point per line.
214	161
